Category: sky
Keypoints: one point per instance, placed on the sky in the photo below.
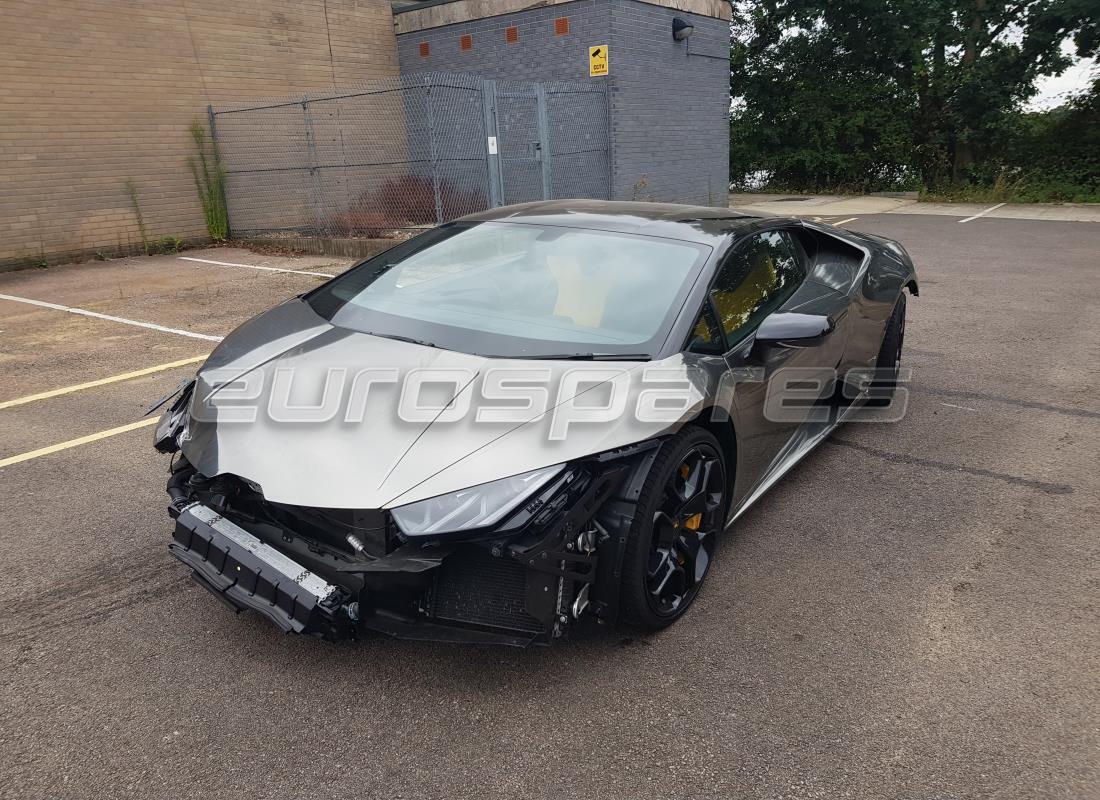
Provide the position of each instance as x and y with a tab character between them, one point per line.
1054	90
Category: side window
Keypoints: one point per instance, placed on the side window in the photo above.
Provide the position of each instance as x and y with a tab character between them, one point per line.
706	336
754	281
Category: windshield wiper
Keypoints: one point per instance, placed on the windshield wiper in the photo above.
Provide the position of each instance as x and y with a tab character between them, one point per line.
408	339
589	357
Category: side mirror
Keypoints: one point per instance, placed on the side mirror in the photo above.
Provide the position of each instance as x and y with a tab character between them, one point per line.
794	330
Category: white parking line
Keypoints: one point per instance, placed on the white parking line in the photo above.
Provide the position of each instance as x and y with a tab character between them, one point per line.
843	221
964	408
982	213
255	266
109	318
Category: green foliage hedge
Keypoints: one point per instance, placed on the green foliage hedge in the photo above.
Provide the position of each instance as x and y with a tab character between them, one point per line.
886	95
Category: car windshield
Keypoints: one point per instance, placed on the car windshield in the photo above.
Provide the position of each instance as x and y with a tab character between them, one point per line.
509	289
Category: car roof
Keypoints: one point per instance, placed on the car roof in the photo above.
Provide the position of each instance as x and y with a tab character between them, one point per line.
672	220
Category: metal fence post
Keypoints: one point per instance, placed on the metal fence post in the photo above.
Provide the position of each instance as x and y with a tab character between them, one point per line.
311	148
213	118
544	139
433	153
492	153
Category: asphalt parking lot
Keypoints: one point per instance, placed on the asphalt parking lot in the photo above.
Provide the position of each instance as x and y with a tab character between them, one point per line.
914	612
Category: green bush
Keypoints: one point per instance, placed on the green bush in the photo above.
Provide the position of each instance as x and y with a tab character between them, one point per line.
167	244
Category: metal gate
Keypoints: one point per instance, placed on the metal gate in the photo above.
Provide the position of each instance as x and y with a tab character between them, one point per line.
551	141
518	114
409	152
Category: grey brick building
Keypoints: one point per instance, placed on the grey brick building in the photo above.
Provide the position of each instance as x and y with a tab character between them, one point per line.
668	98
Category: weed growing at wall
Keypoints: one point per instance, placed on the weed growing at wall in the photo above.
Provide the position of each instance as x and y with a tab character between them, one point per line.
131	190
209	176
150	245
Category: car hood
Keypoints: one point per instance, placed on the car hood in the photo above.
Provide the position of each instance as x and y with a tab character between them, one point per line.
313	413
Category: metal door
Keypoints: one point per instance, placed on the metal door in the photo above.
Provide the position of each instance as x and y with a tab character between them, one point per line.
517	120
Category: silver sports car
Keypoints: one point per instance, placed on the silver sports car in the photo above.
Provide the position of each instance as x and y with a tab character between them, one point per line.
525	418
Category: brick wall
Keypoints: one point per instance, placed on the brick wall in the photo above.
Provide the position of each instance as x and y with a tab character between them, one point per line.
537	54
670	106
669	100
93	92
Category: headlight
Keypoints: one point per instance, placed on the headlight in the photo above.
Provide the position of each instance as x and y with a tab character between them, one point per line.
476	507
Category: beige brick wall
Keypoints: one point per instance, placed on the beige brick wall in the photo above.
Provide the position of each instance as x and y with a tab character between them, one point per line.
93	92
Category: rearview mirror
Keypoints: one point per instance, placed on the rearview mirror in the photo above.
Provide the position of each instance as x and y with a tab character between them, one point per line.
794	330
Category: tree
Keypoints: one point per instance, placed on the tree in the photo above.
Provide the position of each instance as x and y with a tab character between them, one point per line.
1055	155
930	85
810	116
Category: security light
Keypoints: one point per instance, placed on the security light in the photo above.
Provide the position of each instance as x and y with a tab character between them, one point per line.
681	29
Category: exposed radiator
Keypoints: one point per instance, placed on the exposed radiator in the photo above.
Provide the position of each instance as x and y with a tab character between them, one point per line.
474	587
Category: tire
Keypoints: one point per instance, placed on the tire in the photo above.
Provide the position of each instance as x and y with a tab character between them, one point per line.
889	357
666	558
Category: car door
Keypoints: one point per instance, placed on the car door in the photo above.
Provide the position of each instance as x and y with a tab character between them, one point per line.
764	275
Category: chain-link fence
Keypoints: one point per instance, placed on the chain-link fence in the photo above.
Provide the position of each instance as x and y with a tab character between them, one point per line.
408	152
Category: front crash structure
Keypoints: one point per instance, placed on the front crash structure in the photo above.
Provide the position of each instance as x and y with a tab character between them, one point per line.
336	572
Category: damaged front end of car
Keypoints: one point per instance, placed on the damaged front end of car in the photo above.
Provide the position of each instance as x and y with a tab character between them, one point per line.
517	561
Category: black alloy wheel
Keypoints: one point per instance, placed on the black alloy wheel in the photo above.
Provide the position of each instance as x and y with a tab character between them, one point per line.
680	513
888	364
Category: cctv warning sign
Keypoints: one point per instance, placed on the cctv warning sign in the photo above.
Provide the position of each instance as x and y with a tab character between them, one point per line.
597	60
